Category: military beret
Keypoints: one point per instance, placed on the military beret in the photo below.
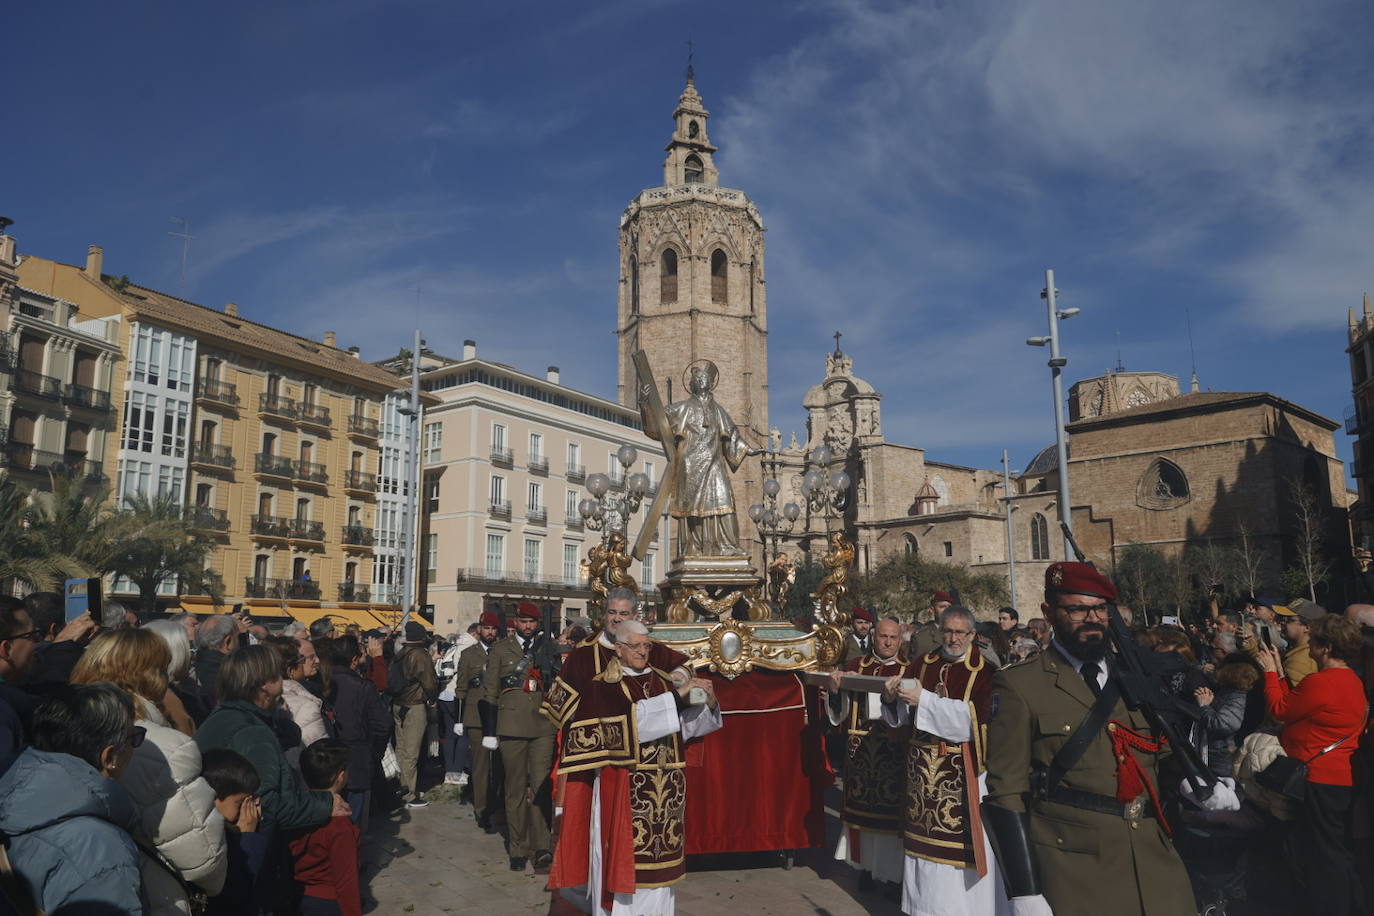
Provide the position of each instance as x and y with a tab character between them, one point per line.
862	613
941	596
1079	579
528	610
416	632
489	619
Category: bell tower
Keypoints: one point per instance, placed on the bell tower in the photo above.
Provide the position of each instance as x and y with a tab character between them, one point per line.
692	287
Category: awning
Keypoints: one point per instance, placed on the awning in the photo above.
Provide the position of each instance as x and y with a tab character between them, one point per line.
264	611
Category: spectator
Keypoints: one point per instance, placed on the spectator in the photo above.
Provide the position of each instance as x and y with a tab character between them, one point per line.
217	636
993	643
176	807
412	688
362	721
182	705
1297	660
18	639
250	686
115	615
1323	718
1008	619
293	629
235	784
67	818
1223	714
326	859
322	628
60	642
305	708
1040	629
1261	612
189	622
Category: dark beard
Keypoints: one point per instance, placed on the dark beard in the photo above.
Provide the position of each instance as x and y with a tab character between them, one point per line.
1079	645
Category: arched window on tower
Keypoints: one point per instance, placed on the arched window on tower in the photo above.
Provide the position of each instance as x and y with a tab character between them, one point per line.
667	276
634	285
719	276
692	169
1039	537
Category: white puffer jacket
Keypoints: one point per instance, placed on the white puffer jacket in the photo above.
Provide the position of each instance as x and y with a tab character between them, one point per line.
306	711
178	815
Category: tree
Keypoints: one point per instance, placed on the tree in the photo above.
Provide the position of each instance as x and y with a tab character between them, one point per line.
902	584
1252	559
1144	579
1312	568
22	561
72	528
800	605
155	544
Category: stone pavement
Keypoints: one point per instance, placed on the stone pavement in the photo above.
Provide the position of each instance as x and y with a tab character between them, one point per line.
456	868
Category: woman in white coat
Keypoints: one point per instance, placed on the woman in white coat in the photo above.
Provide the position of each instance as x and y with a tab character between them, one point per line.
299	661
182	835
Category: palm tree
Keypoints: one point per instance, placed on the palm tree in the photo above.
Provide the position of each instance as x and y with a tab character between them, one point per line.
22	561
153	543
73	528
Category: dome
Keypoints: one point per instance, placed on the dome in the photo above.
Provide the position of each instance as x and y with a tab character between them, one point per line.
1045	461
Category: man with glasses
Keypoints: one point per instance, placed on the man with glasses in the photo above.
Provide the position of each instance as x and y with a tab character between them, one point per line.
623	839
18	640
1072	771
870	832
945	696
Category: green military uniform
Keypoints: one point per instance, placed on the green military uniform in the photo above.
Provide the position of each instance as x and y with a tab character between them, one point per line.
526	746
925	640
467	678
1089	862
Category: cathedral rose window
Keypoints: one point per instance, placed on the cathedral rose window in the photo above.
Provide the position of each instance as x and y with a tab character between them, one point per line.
1162	486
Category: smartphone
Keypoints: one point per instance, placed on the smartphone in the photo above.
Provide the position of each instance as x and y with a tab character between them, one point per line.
82	596
1268	640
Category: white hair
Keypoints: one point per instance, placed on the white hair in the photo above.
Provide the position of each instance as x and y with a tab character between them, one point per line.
294	628
173	632
630	628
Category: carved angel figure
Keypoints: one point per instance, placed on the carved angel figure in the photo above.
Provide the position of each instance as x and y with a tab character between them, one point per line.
608	567
782	574
835	585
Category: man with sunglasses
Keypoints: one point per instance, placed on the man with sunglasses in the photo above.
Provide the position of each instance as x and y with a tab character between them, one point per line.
1072	773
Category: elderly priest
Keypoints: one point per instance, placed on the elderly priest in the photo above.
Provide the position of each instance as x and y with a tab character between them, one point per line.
623	840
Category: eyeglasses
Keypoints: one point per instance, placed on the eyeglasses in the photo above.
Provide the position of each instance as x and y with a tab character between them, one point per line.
956	632
636	647
1081	611
136	736
31	634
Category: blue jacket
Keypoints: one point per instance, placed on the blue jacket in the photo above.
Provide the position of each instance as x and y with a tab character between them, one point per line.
69	836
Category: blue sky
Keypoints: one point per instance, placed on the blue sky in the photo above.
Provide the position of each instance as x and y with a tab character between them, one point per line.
918	166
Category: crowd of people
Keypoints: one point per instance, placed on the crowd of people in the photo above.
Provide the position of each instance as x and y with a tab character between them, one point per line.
208	765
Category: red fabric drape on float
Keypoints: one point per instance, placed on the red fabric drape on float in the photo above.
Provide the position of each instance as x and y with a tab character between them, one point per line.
759	782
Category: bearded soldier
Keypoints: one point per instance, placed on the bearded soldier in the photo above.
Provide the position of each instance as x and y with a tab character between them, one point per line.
946	697
873	780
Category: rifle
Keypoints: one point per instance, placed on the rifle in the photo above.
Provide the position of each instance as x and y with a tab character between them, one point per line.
1143	688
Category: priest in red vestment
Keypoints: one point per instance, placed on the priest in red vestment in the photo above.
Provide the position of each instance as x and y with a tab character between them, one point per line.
624	720
874	764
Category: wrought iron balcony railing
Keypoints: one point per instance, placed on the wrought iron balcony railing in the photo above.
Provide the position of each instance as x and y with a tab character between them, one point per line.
310	472
354	592
364	426
303	529
360	480
270	526
503	456
298	589
206	518
209	453
274	465
87	397
500	508
277	406
212	389
574	522
358	536
313	414
24	457
37	384
537	515
539	465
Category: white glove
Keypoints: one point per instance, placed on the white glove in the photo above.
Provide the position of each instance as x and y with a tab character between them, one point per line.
458	729
490	743
1031	906
1223	797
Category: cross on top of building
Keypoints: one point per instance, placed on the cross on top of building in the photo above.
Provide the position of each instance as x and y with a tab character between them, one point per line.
837	336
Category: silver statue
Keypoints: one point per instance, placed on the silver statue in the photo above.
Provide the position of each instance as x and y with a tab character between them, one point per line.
708	449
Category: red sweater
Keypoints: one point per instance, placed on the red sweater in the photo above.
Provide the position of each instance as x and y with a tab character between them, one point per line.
327	864
1323	709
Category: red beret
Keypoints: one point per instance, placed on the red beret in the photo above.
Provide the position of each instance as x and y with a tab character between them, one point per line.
528	610
1079	579
862	613
489	619
941	596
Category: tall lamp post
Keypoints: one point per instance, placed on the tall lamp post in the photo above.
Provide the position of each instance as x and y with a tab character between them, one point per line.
826	491
773	523
1057	364
608	510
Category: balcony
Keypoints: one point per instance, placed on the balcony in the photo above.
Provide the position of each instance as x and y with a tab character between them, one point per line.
207	519
274	466
8	356
291	589
352	592
218	456
303	529
500	508
37	384
539	465
576	473
270	526
217	392
617	477
357	536
574	523
310	472
537	515
1356	420
364	426
524	580
274	405
88	398
313	415
360	480
1362	467
23	457
502	456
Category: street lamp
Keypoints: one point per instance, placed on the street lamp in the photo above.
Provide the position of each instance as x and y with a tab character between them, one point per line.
607	510
1057	364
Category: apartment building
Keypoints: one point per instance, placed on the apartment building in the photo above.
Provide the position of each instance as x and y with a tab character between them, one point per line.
506	457
272	441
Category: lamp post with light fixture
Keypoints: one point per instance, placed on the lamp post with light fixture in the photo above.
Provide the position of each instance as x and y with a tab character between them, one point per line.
1057	364
607	510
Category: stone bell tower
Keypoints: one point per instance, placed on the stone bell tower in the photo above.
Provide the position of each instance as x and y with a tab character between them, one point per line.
692	287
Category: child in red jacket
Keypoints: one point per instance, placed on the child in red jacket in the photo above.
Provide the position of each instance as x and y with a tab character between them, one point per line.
326	858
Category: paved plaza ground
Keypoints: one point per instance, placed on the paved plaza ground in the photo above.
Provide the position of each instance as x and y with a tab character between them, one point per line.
439	861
